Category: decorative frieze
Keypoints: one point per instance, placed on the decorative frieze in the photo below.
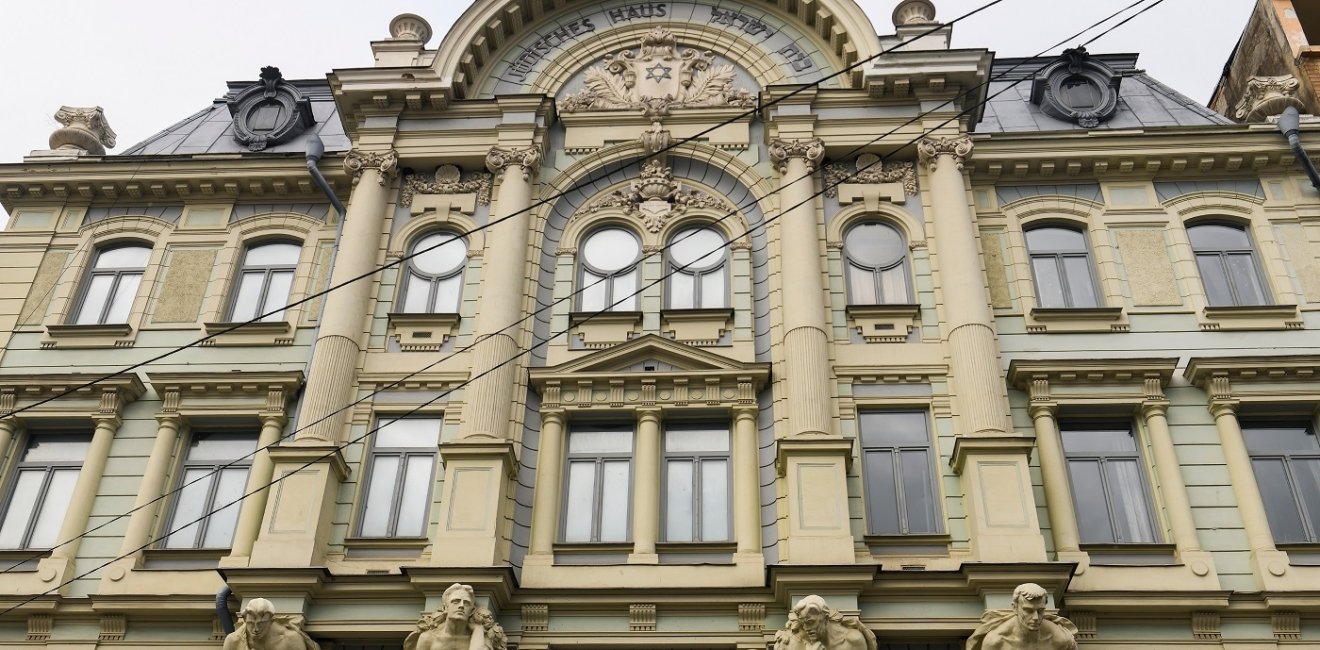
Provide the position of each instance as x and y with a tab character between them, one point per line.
1205	626
751	617
113	627
501	158
448	179
958	148
641	618
869	169
535	618
812	150
358	161
1287	626
38	627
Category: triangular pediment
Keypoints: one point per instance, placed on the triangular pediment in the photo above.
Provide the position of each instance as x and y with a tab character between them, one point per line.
651	354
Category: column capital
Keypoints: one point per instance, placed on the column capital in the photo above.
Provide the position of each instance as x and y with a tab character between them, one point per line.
746	412
108	420
553	415
931	149
500	159
1040	409
169	419
1220	407
386	162
651	413
811	150
1154	407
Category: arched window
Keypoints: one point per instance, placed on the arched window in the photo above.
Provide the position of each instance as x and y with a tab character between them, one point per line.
1227	262
1061	266
876	259
698	270
609	274
264	280
111	284
434	271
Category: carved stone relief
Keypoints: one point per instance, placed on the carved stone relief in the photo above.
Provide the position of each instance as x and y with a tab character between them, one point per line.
269	112
657	78
869	169
655	197
448	179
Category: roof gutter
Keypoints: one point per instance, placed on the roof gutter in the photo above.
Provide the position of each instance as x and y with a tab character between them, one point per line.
1290	124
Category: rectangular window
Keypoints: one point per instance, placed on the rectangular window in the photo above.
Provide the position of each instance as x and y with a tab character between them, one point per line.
901	497
400	473
1108	483
597	490
40	490
211	488
696	479
1286	458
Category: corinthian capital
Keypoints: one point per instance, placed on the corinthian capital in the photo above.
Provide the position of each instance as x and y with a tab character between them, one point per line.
959	148
812	150
386	162
500	159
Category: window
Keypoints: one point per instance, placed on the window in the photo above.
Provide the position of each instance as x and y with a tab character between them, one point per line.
40	491
900	484
696	479
1227	262
597	500
434	283
1061	266
112	285
609	271
699	275
876	259
264	281
213	482
1286	458
400	473
1108	483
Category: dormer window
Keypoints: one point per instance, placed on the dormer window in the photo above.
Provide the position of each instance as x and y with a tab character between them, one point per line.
1077	88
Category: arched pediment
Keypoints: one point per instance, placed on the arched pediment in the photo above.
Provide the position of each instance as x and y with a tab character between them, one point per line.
536	46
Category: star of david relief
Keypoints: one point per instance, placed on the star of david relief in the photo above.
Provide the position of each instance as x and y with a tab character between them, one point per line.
671	78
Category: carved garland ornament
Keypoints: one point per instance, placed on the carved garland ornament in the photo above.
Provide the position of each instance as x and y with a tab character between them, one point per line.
386	162
448	179
657	78
812	150
500	159
869	169
959	148
655	197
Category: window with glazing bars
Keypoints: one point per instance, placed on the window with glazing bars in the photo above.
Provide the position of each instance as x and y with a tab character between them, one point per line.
211	489
1061	266
901	496
40	490
1109	485
1285	456
111	285
598	486
400	474
696	479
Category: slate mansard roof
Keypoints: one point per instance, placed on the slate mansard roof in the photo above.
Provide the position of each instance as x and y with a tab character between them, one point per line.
211	130
1142	101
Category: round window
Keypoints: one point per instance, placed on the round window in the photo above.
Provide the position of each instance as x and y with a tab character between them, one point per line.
696	249
439	254
611	249
875	244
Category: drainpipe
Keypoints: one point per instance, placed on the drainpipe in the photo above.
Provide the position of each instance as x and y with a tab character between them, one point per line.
222	610
1290	124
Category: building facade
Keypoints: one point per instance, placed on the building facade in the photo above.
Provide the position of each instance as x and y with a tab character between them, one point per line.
649	319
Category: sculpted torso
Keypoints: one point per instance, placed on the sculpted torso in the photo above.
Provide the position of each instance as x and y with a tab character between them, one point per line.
1012	637
278	637
837	637
441	638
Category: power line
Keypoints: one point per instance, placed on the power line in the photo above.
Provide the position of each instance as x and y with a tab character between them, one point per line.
753	202
826	187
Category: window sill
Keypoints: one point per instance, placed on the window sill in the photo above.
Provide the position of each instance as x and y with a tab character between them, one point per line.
259	333
116	335
371	548
696	547
1250	317
182	559
417	332
883	323
932	544
1131	554
1076	319
600	330
22	560
697	326
1302	554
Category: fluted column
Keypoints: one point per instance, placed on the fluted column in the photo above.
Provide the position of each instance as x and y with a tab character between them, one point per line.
7	428
549	470
84	491
1251	506
977	384
332	373
806	342
1172	487
1054	473
259	477
489	398
746	485
646	488
138	534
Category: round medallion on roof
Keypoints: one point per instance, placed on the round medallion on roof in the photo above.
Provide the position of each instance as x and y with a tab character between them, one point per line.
270	112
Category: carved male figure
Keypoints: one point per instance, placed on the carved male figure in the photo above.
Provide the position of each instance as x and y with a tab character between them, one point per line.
260	629
814	625
1026	627
458	625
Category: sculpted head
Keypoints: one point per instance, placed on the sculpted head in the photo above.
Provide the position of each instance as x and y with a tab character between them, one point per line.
1029	602
813	615
458	602
257	617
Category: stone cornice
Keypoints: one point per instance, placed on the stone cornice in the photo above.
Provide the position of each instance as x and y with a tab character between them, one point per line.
108	395
193	393
1021	373
1217	374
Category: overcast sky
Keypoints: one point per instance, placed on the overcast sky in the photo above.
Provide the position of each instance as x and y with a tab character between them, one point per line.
150	63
